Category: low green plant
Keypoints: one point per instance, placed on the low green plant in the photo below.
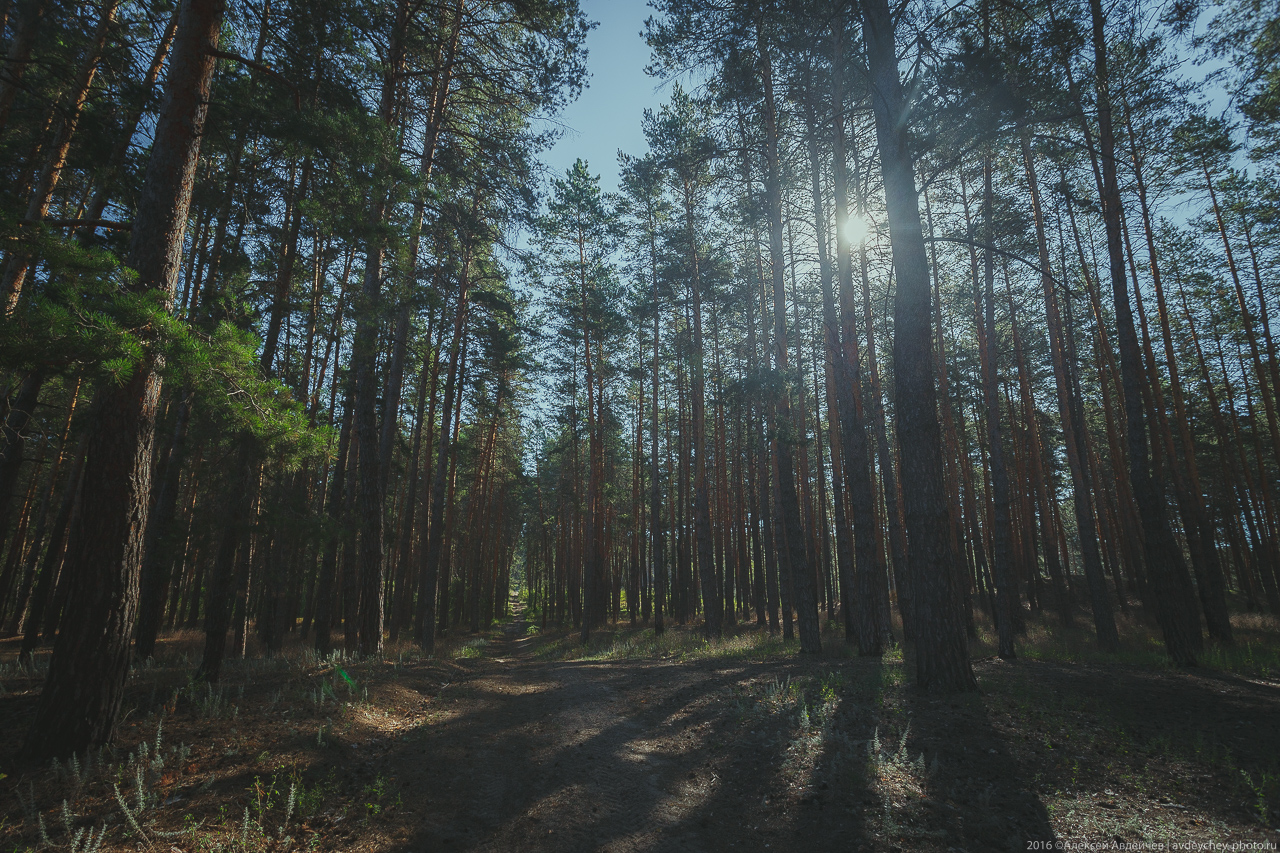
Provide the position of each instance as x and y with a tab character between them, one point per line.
376	796
1261	789
473	648
81	839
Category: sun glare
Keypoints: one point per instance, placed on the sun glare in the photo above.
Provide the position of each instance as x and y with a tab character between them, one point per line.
857	229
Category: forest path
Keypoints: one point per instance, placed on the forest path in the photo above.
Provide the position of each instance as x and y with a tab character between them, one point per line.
590	756
520	751
501	744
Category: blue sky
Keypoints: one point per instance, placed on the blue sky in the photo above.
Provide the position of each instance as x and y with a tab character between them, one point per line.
607	116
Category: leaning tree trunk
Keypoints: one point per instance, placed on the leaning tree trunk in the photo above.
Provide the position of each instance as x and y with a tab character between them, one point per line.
942	662
80	702
109	173
18	264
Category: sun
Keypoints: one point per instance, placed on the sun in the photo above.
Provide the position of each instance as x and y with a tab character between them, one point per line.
857	229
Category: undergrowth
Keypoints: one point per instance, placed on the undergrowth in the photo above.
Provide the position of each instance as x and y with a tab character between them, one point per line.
680	643
1255	654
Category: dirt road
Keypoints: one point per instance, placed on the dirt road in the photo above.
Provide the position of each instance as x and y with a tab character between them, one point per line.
618	756
647	755
507	747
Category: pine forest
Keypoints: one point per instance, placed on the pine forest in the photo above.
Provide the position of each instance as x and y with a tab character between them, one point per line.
875	448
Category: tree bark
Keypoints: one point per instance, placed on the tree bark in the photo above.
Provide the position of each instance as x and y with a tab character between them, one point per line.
783	439
1171	589
81	699
942	662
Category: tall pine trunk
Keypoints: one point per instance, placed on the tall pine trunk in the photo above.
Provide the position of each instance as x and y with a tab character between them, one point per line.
792	525
1001	532
1170	587
81	699
1073	427
942	662
869	594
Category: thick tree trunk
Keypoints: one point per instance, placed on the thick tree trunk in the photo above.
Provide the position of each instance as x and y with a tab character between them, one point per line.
942	662
81	698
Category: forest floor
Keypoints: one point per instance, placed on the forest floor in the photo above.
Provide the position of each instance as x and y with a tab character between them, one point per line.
519	741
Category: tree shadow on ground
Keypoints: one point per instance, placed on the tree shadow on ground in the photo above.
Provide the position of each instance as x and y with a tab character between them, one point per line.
621	756
799	754
977	794
1166	753
588	760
